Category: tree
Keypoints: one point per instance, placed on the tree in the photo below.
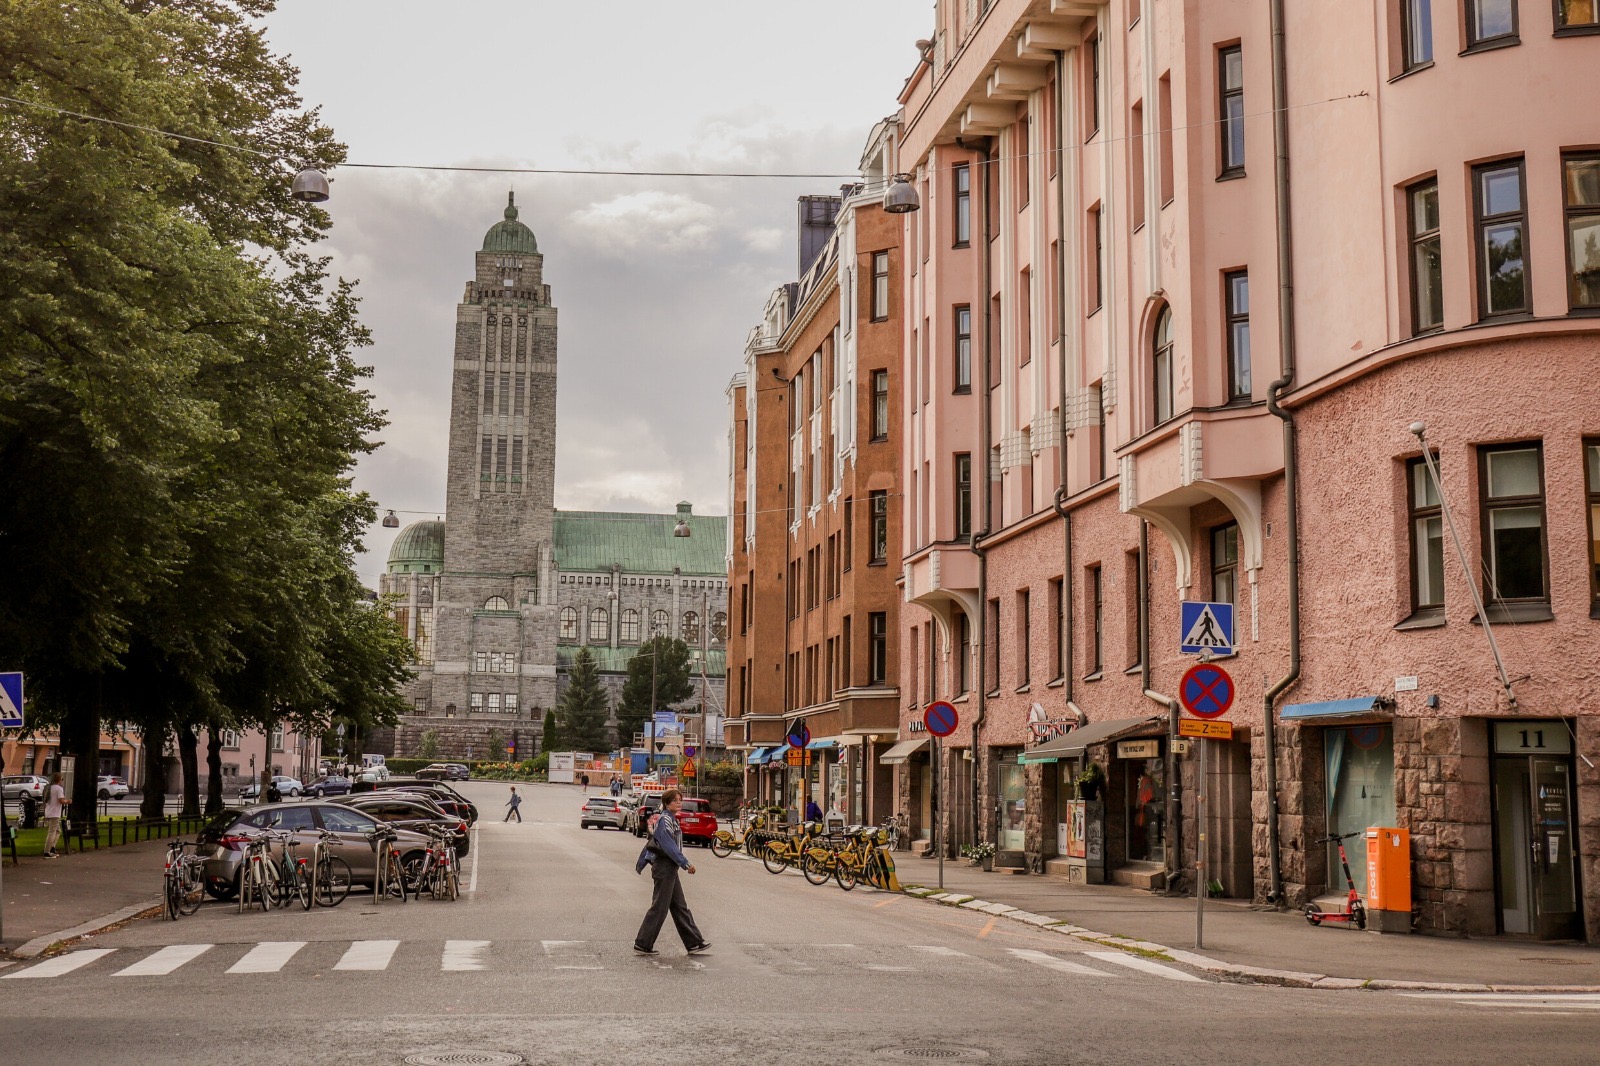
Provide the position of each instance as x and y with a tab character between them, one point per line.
671	683
428	744
583	706
551	738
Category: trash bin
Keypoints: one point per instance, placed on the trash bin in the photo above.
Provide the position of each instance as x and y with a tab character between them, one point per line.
1388	879
30	812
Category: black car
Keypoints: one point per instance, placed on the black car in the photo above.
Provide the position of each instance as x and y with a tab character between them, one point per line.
329	785
405	811
639	816
444	771
446	797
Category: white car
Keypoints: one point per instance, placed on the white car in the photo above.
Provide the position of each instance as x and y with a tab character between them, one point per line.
111	787
26	784
288	786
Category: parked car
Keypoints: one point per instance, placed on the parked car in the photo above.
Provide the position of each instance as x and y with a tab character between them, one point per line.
410	811
26	784
287	786
639	816
111	787
698	823
222	840
600	812
443	771
446	797
329	785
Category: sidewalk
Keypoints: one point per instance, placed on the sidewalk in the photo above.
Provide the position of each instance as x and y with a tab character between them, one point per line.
44	897
1243	940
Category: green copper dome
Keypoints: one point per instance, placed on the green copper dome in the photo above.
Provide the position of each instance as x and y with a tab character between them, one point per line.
419	549
510	235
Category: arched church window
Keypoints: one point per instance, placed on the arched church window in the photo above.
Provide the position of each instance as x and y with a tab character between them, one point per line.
659	623
691	627
719	626
630	625
496	603
569	623
599	626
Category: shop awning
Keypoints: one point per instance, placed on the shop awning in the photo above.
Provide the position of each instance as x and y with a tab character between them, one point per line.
758	756
1335	708
1071	745
903	750
823	744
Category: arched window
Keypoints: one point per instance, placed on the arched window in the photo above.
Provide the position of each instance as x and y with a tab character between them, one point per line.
719	626
659	623
691	627
496	603
1161	366
630	626
599	626
569	623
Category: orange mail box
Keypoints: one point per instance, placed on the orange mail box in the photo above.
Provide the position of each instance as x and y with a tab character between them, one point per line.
1389	869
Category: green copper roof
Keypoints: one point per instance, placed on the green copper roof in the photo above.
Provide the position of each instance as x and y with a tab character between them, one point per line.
641	543
510	235
419	544
615	660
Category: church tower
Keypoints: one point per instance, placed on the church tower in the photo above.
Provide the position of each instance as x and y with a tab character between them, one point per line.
494	642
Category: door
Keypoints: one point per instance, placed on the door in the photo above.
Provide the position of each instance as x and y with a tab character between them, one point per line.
1534	847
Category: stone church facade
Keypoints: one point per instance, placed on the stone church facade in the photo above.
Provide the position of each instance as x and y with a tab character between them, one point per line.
498	599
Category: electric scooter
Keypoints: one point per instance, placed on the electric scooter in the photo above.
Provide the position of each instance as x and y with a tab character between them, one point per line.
1355	911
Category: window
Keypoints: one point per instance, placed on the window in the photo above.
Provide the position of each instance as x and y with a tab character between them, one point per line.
1230	84
849	531
510	706
1427	538
496	662
1591	465
846	644
1512	481
229	737
1427	272
1095	273
1582	182
719	626
569	623
691	627
475	702
880	286
480	662
1136	196
496	603
963	221
991	644
963	654
1097	622
1024	645
1236	285
1058	616
1161	367
963	495
1491	21
1225	564
658	623
486	463
1024	160
1572	14
1502	233
880	526
1416	25
494	703
963	368
1025	317
599	625
630	626
880	405
1164	144
878	651
1093	123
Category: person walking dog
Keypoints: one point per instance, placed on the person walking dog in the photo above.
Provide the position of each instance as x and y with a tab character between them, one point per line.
512	807
663	853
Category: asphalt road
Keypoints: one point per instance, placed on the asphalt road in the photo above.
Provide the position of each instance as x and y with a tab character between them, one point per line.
535	961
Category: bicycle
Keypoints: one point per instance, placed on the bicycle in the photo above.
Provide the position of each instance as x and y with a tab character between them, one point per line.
1355	911
895	825
429	870
388	880
330	875
783	852
258	874
183	880
294	879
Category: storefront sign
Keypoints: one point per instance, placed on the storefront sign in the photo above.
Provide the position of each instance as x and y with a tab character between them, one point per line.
1547	737
917	726
1193	727
1181	746
1138	749
1043	727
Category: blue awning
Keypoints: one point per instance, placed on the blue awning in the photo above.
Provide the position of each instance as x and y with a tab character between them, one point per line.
1335	708
822	745
758	756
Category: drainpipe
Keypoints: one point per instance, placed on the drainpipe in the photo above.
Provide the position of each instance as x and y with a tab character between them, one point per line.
1291	470
1061	380
1174	813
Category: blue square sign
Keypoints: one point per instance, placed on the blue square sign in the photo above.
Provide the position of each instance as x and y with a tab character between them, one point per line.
11	700
1205	627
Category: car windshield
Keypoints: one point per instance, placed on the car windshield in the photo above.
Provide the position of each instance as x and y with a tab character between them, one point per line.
696	806
221	822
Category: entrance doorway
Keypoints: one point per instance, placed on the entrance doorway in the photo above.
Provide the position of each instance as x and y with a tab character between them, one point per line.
1536	870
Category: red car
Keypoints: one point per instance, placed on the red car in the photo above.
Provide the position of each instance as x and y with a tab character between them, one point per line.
698	823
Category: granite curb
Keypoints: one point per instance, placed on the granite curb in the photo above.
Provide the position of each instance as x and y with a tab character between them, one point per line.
40	944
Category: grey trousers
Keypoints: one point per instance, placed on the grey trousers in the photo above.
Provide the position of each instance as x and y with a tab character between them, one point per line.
666	897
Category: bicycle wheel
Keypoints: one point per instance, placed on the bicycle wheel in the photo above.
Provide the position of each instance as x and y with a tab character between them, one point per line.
815	869
170	897
773	861
721	846
303	876
395	881
272	886
191	891
246	886
332	882
453	888
845	874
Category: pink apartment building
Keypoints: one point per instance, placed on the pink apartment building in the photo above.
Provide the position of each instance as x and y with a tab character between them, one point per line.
1183	278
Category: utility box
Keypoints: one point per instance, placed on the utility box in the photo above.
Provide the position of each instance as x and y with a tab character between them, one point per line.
1388	879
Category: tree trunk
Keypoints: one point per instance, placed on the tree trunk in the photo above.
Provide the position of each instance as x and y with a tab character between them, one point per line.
214	801
189	758
80	738
154	804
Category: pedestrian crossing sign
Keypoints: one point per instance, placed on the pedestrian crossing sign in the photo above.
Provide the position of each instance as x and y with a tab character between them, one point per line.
11	700
1206	627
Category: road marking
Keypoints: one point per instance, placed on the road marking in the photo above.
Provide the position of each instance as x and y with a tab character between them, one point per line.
1508	1000
165	961
472	882
463	954
60	964
267	957
936	949
891	969
368	955
1134	962
984	932
885	903
1050	962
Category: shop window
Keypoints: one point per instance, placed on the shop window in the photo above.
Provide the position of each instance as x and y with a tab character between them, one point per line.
1359	764
1013	807
1146	810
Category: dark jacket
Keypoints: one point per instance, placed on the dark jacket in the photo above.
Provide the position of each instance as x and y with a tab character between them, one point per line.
666	842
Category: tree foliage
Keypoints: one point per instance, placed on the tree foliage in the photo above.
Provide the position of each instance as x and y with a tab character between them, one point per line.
583	706
669	659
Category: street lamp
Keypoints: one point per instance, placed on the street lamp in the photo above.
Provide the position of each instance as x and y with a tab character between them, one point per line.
310	186
901	196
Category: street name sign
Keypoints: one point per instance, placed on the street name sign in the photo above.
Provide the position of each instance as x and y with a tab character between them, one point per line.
1206	690
1207	628
11	700
1196	727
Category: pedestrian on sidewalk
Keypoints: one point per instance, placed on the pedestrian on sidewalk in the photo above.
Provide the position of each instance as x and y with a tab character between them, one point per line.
513	805
813	812
55	807
616	786
585	779
663	853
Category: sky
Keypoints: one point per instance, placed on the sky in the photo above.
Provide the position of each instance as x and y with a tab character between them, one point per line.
657	281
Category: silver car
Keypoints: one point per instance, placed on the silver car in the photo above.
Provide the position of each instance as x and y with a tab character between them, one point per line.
26	784
601	811
223	839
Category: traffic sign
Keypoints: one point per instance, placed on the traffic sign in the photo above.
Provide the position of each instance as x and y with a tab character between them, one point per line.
689	750
1194	727
941	718
1206	627
1206	690
799	735
688	768
11	700
797	757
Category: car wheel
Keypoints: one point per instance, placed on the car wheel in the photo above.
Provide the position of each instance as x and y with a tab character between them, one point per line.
294	792
105	794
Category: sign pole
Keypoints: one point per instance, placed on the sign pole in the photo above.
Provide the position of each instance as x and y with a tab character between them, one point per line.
938	813
1200	884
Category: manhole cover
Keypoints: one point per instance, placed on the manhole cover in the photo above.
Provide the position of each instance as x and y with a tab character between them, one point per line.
465	1058
1559	962
931	1054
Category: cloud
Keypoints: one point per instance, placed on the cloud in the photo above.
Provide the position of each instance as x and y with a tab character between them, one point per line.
647	221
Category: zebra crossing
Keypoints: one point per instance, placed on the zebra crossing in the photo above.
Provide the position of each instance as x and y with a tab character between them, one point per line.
1517	1002
566	958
